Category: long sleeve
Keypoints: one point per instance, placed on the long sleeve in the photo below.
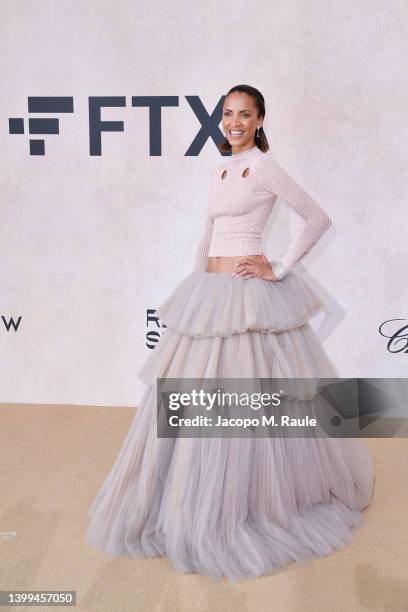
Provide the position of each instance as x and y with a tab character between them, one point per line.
201	256
276	180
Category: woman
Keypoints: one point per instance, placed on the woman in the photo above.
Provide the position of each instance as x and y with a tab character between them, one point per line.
236	506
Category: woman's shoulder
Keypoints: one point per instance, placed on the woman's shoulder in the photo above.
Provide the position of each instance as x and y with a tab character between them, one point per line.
265	157
267	165
264	164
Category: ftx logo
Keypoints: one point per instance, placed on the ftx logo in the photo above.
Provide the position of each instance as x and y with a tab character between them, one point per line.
58	105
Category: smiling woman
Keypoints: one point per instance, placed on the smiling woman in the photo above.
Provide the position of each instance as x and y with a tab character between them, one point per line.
227	506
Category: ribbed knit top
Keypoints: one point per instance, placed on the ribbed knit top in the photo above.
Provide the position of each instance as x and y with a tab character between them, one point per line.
243	191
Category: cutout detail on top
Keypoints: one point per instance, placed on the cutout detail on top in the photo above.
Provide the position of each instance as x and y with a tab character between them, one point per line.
245	172
224	174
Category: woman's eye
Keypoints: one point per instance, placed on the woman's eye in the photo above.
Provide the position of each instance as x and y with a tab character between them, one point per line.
246	115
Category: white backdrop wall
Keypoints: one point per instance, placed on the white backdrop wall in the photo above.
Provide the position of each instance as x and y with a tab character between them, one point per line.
89	243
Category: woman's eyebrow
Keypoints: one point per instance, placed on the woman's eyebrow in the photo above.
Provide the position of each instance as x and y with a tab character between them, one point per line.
245	110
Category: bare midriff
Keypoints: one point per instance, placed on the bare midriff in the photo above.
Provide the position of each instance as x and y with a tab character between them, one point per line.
227	264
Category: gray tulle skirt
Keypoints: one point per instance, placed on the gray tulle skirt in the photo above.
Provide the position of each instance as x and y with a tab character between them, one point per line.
234	507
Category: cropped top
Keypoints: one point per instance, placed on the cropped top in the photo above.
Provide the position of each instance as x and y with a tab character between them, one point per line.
242	194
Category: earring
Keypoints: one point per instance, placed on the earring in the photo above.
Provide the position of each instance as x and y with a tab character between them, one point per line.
257	132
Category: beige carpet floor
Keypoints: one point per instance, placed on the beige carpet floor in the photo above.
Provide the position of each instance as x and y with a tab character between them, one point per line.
53	460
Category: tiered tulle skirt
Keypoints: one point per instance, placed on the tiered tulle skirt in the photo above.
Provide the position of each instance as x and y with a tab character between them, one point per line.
234	507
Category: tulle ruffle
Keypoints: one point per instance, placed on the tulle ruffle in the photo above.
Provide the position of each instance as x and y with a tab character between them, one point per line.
234	507
205	305
231	507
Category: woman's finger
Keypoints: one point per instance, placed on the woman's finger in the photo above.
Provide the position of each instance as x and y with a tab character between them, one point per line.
245	261
249	264
248	273
245	275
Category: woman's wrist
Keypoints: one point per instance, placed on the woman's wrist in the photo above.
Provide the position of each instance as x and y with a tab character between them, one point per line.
279	269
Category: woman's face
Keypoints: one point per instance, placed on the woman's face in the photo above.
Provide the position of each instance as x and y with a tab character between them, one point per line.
240	120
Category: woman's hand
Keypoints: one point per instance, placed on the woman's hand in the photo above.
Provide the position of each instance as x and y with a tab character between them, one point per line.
247	268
